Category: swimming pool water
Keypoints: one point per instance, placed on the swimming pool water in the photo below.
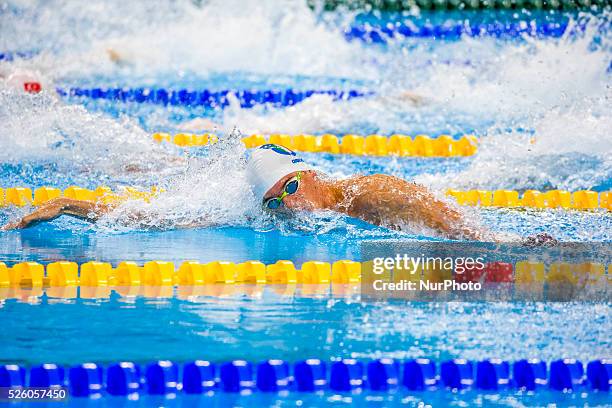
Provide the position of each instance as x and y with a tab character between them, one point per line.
540	108
280	321
293	323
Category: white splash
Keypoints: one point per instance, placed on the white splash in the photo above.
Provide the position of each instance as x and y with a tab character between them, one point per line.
41	128
221	36
540	107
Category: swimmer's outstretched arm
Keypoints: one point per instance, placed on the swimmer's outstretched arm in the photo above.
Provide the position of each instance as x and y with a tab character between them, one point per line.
403	97
393	202
52	209
199	124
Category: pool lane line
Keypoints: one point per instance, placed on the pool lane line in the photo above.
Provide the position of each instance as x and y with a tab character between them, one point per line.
284	272
212	99
351	144
585	200
534	199
382	34
36	294
209	98
22	196
9	56
339	375
161	273
431	6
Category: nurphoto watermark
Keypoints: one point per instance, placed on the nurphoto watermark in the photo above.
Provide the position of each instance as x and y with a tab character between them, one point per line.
414	265
443	271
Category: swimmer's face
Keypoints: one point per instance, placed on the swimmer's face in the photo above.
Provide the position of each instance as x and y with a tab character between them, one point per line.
307	197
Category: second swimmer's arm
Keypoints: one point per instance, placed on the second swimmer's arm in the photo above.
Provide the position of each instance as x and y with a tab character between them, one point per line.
84	210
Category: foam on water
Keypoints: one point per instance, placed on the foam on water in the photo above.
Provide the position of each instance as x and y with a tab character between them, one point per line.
543	103
213	191
541	109
41	128
523	80
321	113
210	191
551	104
252	36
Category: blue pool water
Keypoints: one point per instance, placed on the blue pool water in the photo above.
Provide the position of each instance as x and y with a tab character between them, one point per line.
278	322
539	106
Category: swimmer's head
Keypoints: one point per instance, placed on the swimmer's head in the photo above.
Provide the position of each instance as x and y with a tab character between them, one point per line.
25	81
269	164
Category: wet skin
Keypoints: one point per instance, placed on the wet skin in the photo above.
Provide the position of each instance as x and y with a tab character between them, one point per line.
378	199
52	209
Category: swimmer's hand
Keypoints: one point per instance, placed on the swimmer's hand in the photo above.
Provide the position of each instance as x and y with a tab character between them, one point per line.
115	57
540	240
403	97
19	224
411	97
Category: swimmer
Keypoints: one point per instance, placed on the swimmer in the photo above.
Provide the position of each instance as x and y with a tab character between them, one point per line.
23	80
32	81
284	183
301	114
199	125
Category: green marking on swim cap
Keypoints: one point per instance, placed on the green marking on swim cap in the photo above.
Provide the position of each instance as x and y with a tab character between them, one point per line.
278	149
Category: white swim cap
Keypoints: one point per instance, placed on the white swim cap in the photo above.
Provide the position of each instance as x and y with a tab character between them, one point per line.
270	163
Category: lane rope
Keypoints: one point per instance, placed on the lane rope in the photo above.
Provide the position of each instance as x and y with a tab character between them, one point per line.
371	145
311	375
208	98
373	33
444	5
162	273
9	56
578	200
377	33
22	196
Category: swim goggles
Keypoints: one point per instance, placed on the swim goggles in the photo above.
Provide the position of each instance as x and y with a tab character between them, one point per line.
291	186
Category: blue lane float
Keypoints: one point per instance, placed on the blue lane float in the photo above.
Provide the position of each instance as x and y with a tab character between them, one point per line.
599	374
309	375
493	374
456	29
373	33
457	374
123	379
530	374
236	376
162	378
13	55
566	375
346	375
273	376
47	375
85	380
207	98
338	376
419	375
383	374
199	377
